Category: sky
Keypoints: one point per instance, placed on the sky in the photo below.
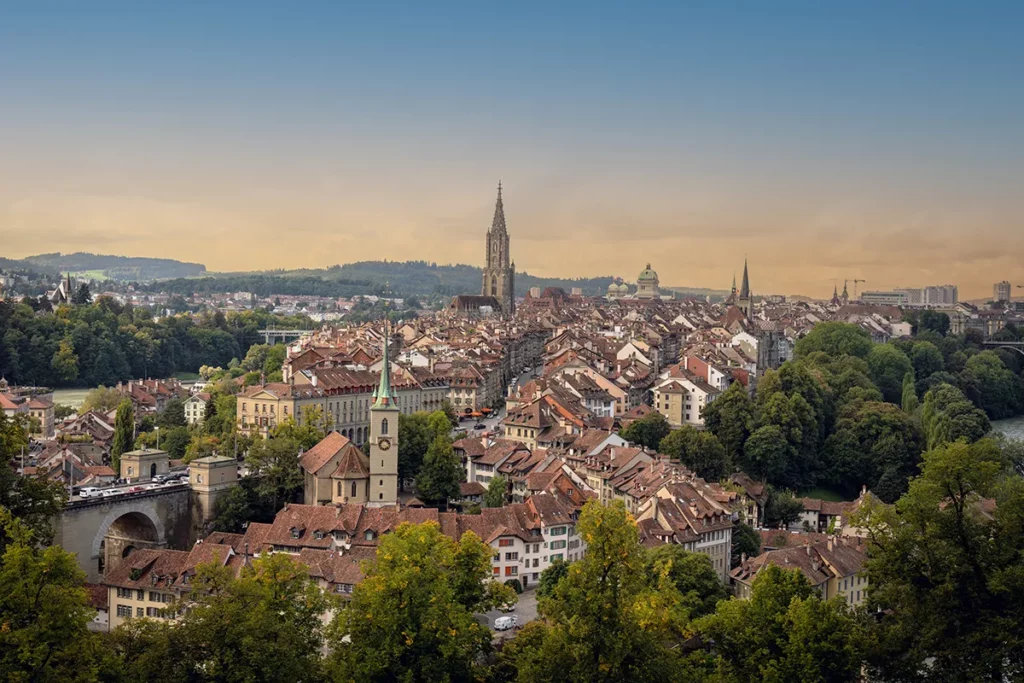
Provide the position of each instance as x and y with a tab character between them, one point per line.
824	141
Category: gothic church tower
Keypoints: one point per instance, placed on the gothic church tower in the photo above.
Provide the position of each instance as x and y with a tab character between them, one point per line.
499	273
384	437
746	299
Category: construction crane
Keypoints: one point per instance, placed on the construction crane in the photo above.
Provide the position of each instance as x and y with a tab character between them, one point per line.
855	287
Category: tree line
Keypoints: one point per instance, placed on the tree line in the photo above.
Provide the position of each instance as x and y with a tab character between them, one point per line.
847	412
106	342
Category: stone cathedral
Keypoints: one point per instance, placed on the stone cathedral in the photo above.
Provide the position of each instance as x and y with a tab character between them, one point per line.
499	271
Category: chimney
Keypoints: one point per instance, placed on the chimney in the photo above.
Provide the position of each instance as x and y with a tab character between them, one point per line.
743	558
808	549
314	379
830	543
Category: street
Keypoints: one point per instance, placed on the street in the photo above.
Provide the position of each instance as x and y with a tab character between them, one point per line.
491	421
526	610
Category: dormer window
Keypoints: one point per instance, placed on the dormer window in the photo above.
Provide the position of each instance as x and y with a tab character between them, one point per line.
295	532
318	535
368	535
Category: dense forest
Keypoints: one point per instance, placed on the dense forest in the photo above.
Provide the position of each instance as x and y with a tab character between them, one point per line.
265	285
105	342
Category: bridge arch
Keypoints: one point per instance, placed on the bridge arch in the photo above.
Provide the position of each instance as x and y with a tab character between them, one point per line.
125	530
1013	346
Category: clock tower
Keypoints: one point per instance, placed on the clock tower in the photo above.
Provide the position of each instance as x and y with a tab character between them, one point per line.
384	437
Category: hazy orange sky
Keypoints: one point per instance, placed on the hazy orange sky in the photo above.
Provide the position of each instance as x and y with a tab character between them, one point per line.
875	144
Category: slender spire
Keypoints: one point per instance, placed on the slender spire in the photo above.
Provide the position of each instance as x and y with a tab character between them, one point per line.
499	213
382	397
745	290
734	283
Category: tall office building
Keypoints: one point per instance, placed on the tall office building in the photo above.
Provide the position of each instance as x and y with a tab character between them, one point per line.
1001	291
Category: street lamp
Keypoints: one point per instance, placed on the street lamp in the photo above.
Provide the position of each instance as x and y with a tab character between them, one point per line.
157	430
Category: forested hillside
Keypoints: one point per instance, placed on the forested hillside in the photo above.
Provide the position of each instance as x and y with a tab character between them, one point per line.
99	266
104	342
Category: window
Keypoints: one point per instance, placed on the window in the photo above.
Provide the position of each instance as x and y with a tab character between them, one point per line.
558	531
384	426
557	545
511	571
556	556
505	542
497	572
535	562
154	597
511	556
131	470
140	595
369	534
353	488
124	593
156	612
124	611
140	612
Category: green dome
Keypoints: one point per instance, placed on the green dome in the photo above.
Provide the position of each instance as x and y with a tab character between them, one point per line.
647	275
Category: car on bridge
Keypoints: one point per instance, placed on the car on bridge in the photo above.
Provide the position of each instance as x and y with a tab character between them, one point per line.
89	492
111	492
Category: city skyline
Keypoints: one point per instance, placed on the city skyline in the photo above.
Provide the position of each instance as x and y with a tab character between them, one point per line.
876	143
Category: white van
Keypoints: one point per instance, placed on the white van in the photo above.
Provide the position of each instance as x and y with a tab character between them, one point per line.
89	492
505	623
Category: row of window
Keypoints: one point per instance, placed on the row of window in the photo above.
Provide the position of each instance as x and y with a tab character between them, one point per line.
125	612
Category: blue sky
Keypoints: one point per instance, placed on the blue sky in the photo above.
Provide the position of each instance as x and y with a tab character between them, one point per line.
876	140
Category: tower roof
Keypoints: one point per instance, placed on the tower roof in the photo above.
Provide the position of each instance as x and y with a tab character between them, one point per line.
383	398
498	223
745	289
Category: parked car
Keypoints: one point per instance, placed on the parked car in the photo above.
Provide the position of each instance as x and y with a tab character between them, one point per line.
137	489
89	492
112	492
505	623
480	425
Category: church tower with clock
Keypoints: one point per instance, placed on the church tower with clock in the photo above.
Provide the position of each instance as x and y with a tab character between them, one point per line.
384	437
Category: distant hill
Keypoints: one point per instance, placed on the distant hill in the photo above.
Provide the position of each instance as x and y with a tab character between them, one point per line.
422	278
100	267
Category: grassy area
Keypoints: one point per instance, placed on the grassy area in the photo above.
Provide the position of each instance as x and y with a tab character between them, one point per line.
97	275
823	493
187	376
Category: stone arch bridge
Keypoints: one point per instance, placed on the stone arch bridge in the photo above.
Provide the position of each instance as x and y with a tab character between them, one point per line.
102	531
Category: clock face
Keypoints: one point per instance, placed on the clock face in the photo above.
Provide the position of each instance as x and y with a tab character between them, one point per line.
384	443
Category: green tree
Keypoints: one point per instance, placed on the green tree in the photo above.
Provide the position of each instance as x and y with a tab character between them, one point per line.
264	625
65	362
411	618
550	577
888	366
699	450
276	463
926	359
1000	393
934	321
745	541
945	571
835	339
414	437
607	621
255	358
875	444
494	497
438	424
307	432
124	433
44	611
34	499
690	573
442	472
449	411
101	399
781	509
648	431
766	453
730	417
82	295
909	400
784	632
173	414
948	416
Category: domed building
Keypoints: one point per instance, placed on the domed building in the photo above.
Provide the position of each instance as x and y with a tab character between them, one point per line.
617	290
647	284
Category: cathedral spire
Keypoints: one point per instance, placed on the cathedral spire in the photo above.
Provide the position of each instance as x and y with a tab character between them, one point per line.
383	397
734	282
745	290
499	213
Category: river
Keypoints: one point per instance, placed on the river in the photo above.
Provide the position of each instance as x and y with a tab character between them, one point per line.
1012	427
